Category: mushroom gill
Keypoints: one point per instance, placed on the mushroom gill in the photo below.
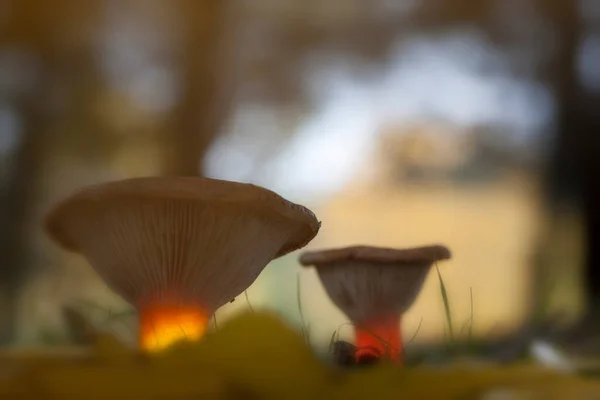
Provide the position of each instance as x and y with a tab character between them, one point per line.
374	287
178	248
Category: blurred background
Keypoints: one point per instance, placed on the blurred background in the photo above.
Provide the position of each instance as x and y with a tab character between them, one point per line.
398	122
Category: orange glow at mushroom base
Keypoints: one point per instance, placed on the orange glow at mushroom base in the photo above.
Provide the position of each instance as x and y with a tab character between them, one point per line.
161	326
380	338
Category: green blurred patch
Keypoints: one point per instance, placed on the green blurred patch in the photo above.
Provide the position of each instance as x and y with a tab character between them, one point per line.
256	356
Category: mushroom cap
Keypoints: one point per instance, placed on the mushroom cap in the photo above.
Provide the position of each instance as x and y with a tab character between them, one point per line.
183	238
376	255
368	283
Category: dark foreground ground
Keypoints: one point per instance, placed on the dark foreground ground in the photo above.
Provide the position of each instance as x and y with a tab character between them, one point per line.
255	356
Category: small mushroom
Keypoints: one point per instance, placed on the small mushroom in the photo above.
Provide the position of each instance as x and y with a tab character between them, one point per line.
374	287
179	248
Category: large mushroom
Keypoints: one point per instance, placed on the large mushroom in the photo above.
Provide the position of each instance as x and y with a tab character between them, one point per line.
179	248
374	286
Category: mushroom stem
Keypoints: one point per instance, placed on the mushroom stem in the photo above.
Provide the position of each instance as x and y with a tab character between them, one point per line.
161	325
381	337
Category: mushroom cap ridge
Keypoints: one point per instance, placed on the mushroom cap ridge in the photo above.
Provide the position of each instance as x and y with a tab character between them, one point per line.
377	255
204	190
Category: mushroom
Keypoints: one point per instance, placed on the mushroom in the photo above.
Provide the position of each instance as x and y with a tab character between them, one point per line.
374	286
178	248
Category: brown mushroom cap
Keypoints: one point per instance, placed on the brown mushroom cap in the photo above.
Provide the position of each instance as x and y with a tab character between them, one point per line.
219	193
377	255
368	283
201	239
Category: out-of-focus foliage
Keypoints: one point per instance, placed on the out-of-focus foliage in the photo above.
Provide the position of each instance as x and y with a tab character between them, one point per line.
255	356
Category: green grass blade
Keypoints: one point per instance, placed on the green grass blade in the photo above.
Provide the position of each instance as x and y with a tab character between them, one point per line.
416	331
332	341
446	304
305	328
299	299
470	337
248	301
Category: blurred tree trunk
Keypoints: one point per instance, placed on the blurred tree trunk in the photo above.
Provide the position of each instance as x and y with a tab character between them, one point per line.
36	30
21	31
16	203
580	132
208	66
574	171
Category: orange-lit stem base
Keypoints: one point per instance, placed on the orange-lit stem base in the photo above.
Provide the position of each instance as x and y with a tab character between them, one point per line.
163	325
384	335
